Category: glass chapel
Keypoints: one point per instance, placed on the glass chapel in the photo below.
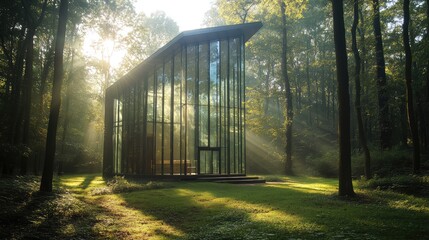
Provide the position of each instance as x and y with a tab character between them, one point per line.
181	112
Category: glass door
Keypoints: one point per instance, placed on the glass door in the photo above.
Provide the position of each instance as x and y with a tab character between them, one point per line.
209	160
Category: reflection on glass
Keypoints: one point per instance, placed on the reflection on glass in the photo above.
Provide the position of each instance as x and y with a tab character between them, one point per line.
190	109
117	136
186	116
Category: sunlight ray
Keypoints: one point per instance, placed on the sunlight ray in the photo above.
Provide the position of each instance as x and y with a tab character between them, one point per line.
256	212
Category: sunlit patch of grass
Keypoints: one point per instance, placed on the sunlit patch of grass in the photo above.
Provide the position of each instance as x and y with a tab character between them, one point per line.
115	219
128	220
296	208
308	185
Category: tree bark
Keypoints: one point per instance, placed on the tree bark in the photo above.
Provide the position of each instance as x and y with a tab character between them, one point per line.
383	99
345	178
48	168
412	122
288	97
361	130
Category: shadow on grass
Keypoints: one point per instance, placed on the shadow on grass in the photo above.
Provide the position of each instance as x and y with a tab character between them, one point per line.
221	211
58	215
87	181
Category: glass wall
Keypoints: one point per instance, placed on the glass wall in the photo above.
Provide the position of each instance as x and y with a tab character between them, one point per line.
185	116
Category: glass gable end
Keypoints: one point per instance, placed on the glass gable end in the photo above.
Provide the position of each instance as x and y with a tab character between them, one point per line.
183	114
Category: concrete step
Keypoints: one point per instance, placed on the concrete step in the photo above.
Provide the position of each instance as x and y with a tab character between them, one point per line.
223	178
243	181
230	179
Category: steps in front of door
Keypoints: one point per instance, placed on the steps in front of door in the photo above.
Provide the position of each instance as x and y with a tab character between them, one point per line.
231	179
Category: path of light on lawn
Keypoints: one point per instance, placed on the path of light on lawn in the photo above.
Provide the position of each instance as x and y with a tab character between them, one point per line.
319	188
133	221
256	212
116	219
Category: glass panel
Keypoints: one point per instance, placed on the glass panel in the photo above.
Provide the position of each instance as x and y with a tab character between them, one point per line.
149	157
166	148
233	104
203	91
167	81
190	109
150	98
177	114
214	94
159	117
150	144
209	161
158	147
224	155
117	136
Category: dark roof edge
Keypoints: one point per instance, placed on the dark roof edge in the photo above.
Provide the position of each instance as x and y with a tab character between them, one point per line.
198	35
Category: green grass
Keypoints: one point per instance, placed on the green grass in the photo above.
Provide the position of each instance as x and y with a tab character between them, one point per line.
290	208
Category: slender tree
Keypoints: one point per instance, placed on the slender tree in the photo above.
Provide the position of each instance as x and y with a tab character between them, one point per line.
345	178
383	99
48	168
362	136
412	122
288	94
32	23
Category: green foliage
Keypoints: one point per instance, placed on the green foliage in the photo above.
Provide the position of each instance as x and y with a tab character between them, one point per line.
120	185
32	215
384	163
409	184
324	166
273	178
76	158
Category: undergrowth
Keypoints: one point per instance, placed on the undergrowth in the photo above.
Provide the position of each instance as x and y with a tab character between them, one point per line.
408	184
120	185
27	213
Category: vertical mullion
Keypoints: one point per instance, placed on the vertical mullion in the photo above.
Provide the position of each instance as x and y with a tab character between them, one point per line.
172	115
162	117
228	122
154	112
208	93
186	107
145	92
197	105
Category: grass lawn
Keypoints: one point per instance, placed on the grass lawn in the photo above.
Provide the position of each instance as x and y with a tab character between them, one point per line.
298	208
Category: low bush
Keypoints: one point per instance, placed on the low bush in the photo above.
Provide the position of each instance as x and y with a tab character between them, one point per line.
77	158
324	166
119	184
273	178
409	184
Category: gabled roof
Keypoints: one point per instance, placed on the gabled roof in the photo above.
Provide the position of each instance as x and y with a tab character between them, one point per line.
247	30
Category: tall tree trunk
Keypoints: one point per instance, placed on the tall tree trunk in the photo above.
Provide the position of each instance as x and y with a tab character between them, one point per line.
27	89
267	89
48	168
43	78
33	23
15	101
426	112
427	51
383	99
409	89
307	77
288	97
362	136
364	75
345	178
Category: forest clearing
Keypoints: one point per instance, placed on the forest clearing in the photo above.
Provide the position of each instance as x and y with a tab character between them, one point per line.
325	101
290	208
